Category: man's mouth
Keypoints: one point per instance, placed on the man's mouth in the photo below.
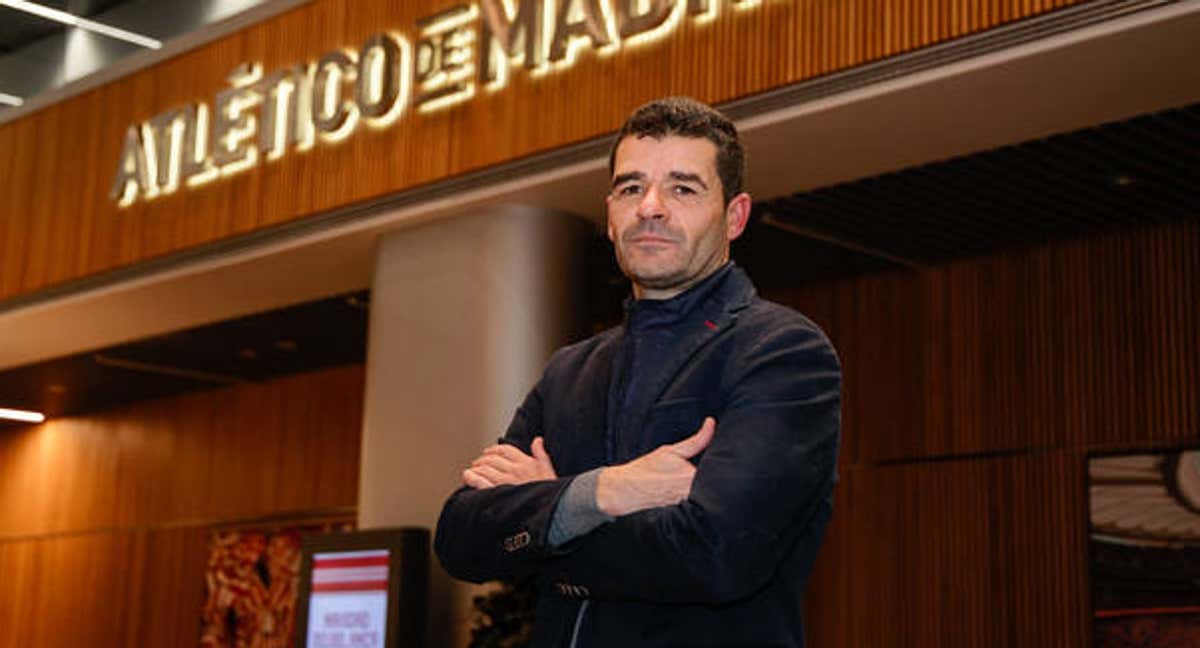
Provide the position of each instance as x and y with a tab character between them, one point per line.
651	240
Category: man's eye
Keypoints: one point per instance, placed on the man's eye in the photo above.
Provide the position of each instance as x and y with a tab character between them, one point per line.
683	190
629	190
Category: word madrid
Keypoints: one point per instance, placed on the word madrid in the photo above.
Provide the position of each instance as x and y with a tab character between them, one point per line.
455	52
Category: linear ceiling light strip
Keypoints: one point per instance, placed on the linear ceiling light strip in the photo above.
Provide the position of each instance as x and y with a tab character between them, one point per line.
82	23
21	415
10	100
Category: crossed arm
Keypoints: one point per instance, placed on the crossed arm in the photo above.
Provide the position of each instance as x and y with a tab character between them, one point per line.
708	533
660	478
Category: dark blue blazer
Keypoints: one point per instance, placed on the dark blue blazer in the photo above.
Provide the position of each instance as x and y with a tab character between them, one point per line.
726	567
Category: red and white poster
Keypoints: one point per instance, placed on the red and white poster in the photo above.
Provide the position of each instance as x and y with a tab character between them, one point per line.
348	603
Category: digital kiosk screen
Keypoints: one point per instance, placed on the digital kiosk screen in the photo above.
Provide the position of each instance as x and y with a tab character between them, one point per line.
348	602
364	589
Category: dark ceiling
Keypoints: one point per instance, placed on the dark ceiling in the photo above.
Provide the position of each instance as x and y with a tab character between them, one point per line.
258	347
1136	172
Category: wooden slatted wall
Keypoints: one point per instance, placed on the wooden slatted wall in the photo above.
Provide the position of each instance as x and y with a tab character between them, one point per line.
974	393
105	519
57	222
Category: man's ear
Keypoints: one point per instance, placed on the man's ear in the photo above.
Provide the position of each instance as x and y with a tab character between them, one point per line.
737	215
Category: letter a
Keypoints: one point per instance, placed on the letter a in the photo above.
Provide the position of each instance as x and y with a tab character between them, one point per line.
131	172
591	26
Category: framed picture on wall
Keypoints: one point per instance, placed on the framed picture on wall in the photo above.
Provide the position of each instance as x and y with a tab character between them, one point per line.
1144	548
365	589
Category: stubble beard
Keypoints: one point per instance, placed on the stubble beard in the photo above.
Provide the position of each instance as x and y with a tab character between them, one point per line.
675	272
659	269
673	266
662	280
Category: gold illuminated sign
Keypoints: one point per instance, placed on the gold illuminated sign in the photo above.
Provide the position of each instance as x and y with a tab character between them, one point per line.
452	55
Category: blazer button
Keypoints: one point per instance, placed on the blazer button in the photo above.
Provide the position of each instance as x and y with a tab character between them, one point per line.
519	541
573	591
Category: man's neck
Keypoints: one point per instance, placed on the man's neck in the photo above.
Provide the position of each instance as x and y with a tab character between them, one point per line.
642	292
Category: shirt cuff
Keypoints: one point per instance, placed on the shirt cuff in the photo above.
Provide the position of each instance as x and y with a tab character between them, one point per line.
577	512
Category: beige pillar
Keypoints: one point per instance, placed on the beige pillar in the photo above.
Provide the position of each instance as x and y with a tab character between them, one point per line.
464	314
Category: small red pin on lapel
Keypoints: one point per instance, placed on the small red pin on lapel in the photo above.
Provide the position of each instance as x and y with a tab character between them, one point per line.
710	324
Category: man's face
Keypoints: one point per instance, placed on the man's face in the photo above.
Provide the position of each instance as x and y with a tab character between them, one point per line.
666	214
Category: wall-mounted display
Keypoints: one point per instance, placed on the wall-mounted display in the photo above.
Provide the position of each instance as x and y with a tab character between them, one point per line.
365	589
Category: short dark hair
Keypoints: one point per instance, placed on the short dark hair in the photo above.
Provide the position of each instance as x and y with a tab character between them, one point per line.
686	117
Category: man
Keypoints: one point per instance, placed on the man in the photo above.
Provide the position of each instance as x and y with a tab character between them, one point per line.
669	480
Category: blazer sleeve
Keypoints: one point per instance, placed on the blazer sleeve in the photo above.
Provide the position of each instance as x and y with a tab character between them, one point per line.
758	487
500	532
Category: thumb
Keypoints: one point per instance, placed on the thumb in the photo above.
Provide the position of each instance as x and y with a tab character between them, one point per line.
539	452
691	446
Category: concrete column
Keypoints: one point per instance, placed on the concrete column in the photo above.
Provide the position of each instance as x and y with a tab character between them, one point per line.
464	314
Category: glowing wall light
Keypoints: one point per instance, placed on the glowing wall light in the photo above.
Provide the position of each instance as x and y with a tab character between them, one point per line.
23	416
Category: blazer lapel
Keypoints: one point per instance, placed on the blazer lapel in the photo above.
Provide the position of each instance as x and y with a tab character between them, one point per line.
592	400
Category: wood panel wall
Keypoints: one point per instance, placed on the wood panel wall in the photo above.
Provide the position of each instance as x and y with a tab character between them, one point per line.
973	395
57	222
105	519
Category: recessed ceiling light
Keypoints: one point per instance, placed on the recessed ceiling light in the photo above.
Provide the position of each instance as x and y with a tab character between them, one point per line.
82	23
22	415
10	100
286	345
1123	180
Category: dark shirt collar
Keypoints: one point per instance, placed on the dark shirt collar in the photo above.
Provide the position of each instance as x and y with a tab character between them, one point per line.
642	314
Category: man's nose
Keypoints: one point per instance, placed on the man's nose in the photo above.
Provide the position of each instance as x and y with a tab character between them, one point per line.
651	204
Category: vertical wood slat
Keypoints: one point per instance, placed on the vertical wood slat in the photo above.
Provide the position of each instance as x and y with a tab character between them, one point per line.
120	588
217	454
57	222
970	553
1086	343
974	393
103	521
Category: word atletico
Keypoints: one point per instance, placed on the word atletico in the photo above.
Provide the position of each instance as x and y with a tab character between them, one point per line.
456	51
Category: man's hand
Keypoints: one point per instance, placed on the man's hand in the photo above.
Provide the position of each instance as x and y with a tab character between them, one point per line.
505	464
661	478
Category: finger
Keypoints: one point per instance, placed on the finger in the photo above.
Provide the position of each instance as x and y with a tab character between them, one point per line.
494	476
496	461
474	480
691	446
543	457
510	471
510	452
